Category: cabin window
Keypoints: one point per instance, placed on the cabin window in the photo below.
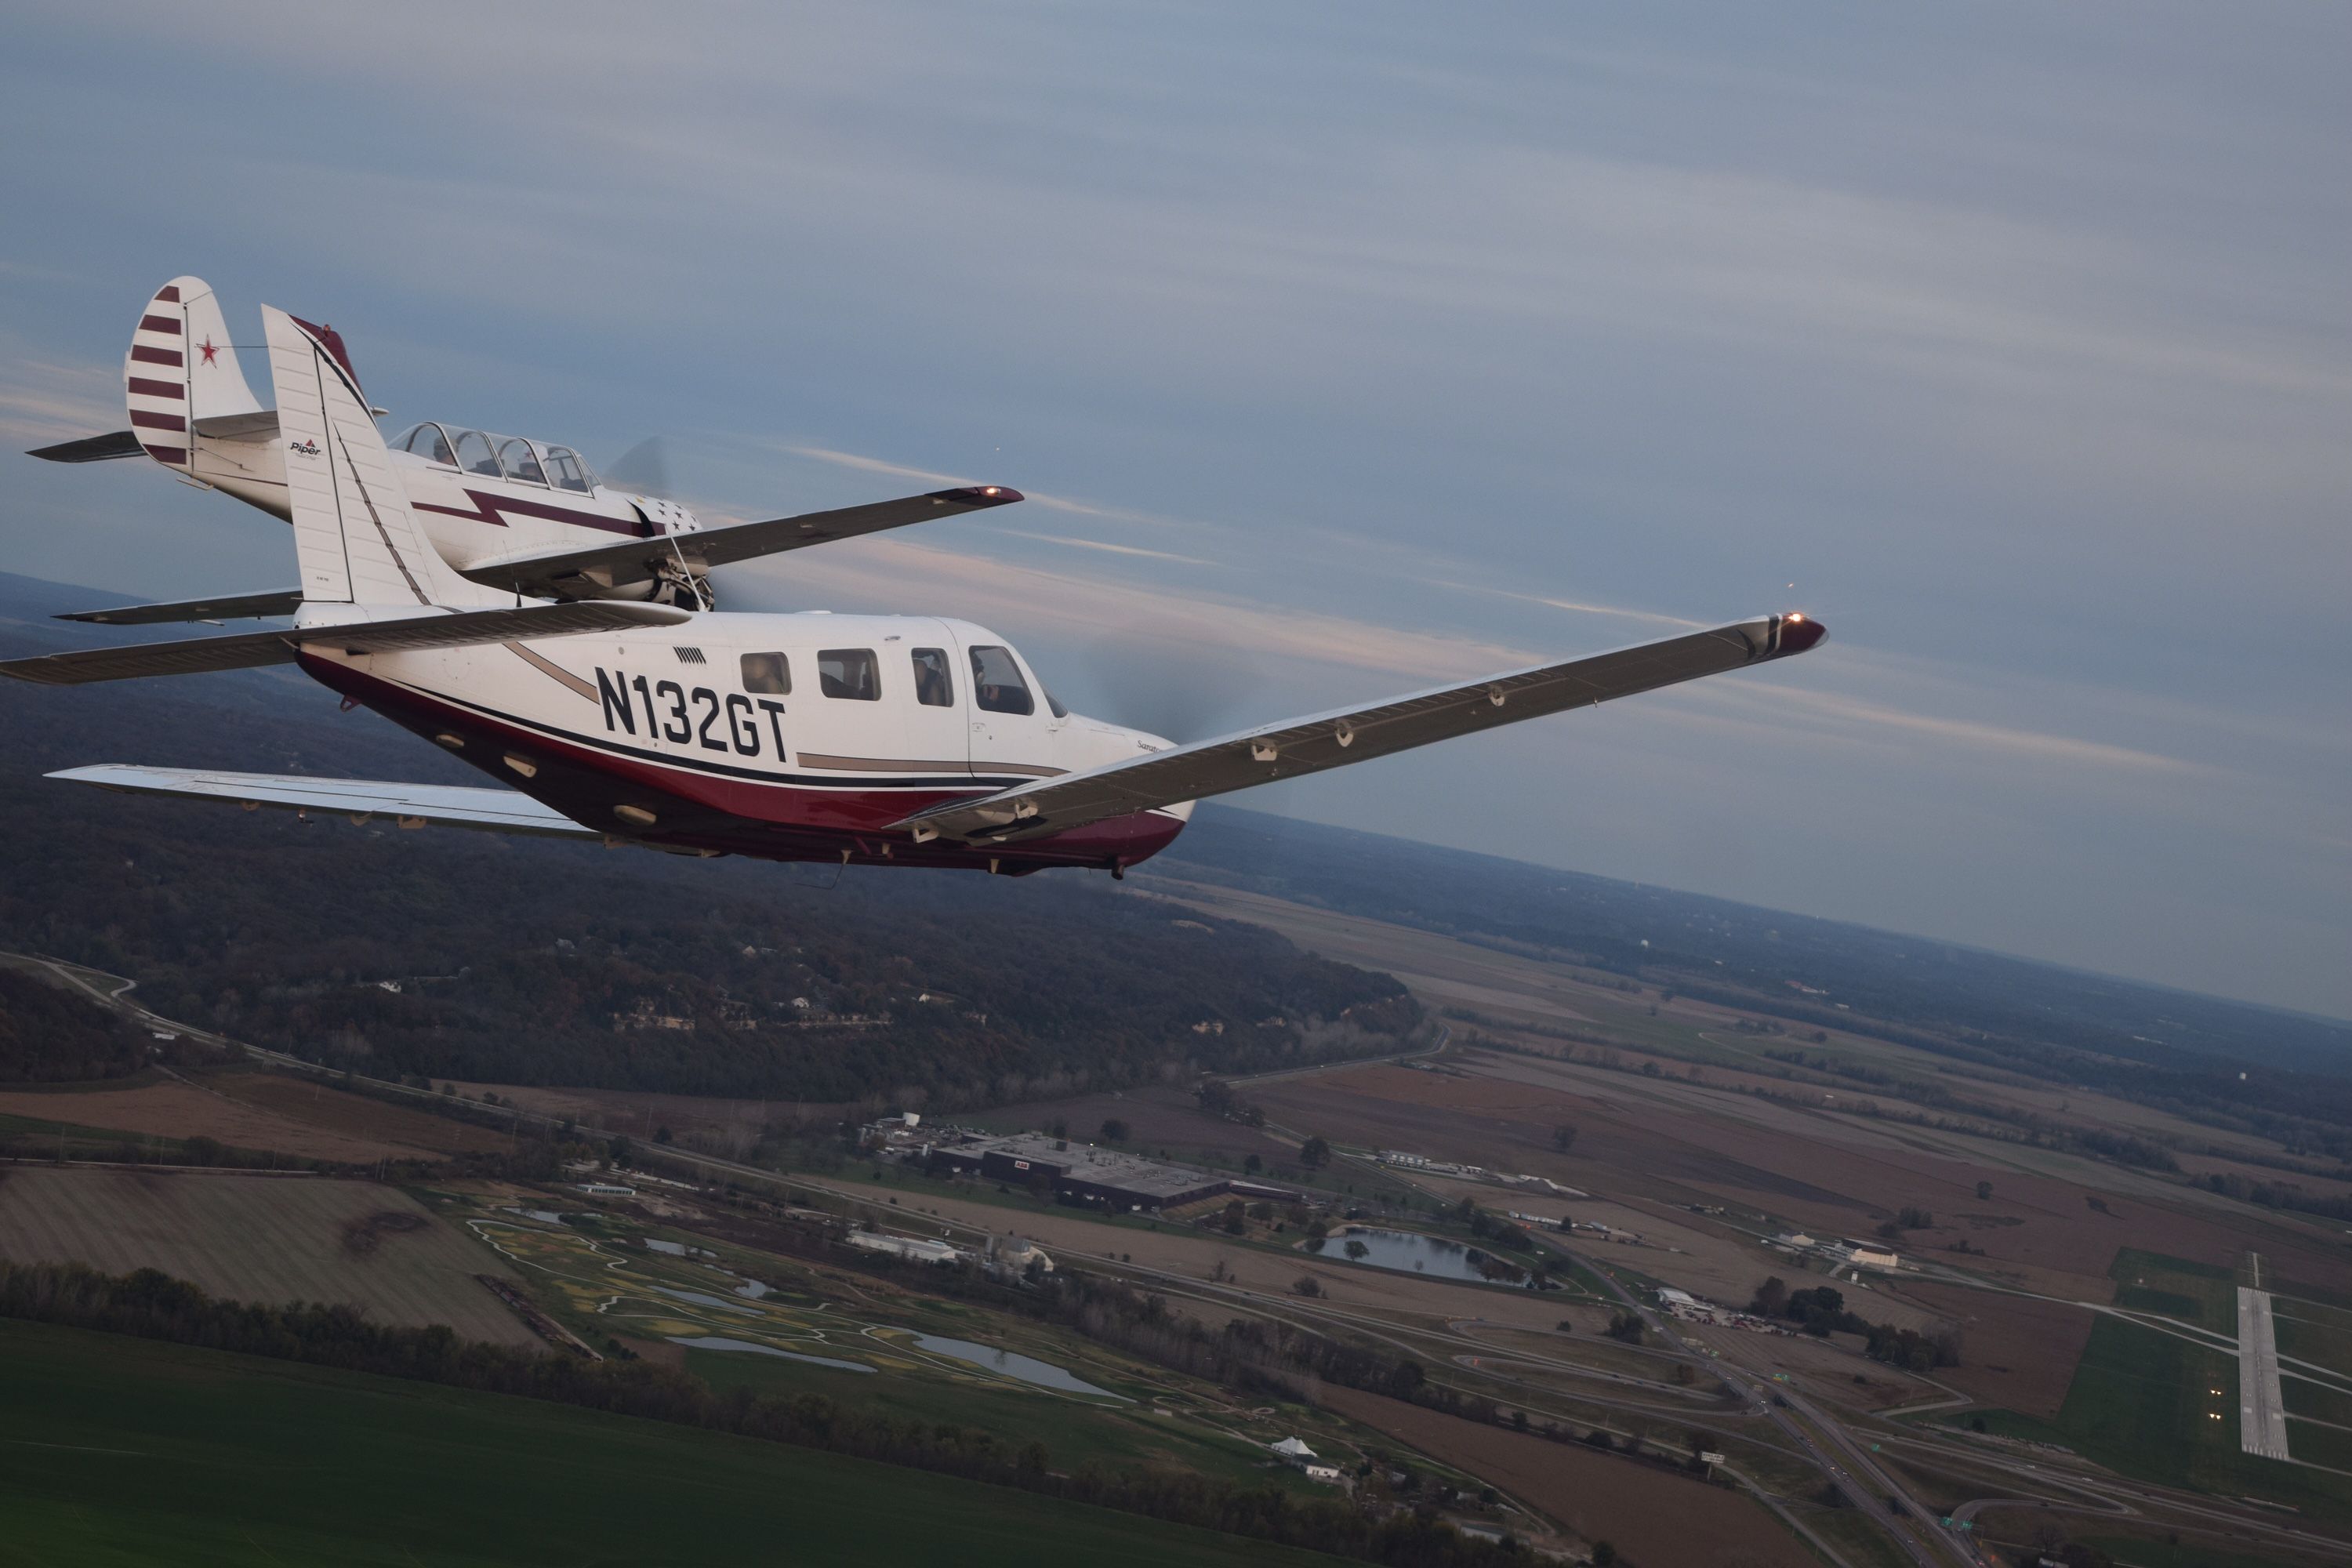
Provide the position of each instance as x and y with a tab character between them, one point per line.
767	673
474	454
996	683
564	466
520	462
934	687
848	672
429	442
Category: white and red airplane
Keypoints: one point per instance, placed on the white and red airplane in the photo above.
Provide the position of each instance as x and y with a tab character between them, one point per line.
614	715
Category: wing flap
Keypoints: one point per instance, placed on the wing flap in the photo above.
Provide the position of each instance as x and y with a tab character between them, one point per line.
607	567
454	806
1337	739
408	633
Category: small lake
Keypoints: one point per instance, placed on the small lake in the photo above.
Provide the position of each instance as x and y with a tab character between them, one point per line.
704	1299
1011	1364
715	1342
1409	1252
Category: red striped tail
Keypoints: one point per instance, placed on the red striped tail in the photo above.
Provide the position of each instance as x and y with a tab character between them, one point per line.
181	370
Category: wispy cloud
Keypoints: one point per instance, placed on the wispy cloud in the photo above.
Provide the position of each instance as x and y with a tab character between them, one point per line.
1101	545
1619	611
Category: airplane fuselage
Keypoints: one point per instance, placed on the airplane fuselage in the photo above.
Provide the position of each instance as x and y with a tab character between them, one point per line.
479	497
787	737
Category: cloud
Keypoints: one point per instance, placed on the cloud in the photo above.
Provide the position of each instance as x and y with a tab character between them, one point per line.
42	402
1099	544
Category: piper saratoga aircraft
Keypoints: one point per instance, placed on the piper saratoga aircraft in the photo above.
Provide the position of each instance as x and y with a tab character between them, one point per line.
884	740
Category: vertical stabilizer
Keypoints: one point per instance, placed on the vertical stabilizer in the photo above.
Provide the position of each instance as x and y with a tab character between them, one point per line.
181	369
355	537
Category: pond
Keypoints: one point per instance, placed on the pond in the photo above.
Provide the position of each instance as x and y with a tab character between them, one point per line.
715	1342
1011	1364
1409	1252
704	1299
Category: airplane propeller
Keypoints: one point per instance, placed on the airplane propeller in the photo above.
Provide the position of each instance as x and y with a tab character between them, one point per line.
643	468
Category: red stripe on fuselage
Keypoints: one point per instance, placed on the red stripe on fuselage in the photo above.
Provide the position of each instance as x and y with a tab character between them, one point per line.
142	387
772	820
488	508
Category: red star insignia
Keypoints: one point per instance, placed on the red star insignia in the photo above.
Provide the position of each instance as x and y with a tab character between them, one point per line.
207	349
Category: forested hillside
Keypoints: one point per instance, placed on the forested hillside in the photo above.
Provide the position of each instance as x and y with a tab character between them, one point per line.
48	1035
468	955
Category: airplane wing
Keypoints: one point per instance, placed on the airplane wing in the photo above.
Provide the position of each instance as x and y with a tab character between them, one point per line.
92	448
1333	740
551	574
248	650
227	608
410	805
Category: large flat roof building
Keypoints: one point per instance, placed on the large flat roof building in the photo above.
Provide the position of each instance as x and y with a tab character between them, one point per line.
1117	1181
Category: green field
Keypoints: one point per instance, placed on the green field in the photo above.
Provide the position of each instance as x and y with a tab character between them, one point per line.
2303	1339
2144	1404
2200	1293
2140	1552
122	1451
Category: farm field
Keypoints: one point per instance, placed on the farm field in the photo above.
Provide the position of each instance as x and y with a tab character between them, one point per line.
184	1110
319	1105
1649	1515
259	1238
151	1453
2016	1351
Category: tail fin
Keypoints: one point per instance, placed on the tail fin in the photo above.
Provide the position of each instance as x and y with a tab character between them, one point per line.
355	537
181	370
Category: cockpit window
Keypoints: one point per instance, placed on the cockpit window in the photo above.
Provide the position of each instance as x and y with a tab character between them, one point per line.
1054	703
520	462
427	441
934	687
474	454
564	466
996	683
848	672
769	673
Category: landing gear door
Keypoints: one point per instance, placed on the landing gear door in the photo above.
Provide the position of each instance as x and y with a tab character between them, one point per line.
939	701
1010	727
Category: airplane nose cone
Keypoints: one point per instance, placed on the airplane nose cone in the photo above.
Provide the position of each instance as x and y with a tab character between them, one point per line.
1798	633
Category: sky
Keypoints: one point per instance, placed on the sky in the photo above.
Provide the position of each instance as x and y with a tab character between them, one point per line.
1344	350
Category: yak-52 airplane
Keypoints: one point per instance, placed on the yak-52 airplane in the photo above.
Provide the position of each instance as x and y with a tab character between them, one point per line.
617	712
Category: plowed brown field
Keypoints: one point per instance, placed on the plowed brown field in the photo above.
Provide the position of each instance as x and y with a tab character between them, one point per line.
259	1238
1652	1517
184	1111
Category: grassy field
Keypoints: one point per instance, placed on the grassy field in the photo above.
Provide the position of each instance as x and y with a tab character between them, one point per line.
2144	1403
2200	1293
121	1452
2141	1551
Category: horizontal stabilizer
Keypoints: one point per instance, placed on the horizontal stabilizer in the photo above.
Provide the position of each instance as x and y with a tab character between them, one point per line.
91	448
564	572
248	650
225	608
1326	741
409	804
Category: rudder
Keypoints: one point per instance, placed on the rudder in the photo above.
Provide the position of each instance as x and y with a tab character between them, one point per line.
182	372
